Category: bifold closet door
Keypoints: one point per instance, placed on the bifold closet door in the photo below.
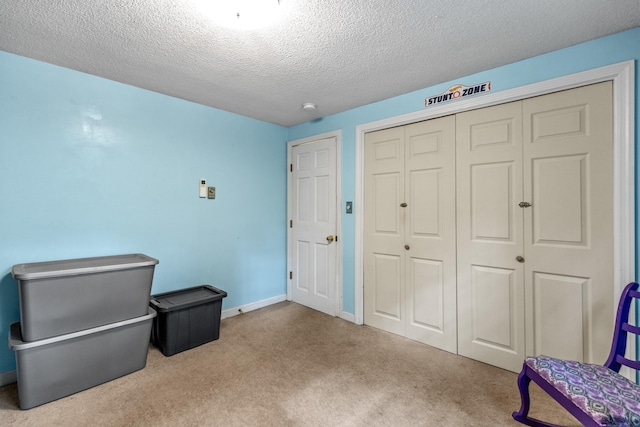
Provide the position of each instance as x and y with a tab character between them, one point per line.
517	199
535	228
491	315
384	273
410	284
568	165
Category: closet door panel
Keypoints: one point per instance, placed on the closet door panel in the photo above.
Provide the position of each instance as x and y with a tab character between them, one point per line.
568	158
490	235
557	299
491	202
384	229
492	293
430	233
427	288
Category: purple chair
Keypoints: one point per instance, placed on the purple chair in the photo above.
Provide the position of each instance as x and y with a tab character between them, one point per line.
596	395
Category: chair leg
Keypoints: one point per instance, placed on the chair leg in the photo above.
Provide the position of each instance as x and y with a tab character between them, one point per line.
522	416
523	385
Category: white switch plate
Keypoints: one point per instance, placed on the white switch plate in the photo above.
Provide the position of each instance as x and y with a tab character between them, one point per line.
203	188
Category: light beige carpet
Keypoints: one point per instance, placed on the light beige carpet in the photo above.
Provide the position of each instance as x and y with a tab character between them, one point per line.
287	365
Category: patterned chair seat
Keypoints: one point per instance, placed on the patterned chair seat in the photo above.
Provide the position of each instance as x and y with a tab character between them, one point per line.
606	396
595	395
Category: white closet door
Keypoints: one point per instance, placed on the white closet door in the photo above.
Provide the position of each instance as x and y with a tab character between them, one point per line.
384	256
568	163
430	233
532	219
410	256
490	235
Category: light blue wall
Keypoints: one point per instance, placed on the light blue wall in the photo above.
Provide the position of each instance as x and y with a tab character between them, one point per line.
91	167
598	53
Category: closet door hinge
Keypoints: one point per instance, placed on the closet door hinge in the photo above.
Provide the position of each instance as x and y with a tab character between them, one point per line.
290	223
290	167
291	275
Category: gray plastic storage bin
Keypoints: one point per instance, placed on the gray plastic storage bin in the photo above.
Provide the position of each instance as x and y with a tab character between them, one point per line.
60	297
57	367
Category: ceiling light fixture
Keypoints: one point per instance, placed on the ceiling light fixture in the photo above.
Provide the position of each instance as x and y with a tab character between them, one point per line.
309	106
242	14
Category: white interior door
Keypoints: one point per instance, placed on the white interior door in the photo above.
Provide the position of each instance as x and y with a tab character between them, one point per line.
491	315
313	225
568	166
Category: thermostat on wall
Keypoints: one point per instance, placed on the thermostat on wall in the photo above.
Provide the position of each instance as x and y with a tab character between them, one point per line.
203	188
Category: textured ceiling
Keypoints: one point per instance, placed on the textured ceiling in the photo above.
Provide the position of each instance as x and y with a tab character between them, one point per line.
338	54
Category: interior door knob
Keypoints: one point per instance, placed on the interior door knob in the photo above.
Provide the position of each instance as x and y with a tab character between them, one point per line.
403	205
329	239
407	247
519	258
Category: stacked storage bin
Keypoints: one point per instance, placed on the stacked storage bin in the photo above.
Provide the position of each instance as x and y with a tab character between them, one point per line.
83	322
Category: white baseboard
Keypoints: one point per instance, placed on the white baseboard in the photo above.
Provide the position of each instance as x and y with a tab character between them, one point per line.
7	378
253	306
348	317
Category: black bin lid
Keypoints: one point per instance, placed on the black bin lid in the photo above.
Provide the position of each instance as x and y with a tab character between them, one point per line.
184	298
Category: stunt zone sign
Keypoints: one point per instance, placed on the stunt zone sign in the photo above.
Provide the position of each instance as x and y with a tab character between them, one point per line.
457	92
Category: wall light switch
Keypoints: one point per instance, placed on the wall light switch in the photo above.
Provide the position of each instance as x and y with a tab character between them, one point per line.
203	188
211	193
349	207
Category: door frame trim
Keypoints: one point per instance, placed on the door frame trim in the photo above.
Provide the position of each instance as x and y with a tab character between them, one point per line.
622	75
337	135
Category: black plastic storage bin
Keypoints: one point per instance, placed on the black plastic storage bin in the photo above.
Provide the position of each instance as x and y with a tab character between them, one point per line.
186	318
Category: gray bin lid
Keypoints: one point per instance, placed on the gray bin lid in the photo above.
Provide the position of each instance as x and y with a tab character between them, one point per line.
72	267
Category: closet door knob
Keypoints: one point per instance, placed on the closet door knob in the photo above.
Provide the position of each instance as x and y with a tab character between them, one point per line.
403	205
519	259
407	247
